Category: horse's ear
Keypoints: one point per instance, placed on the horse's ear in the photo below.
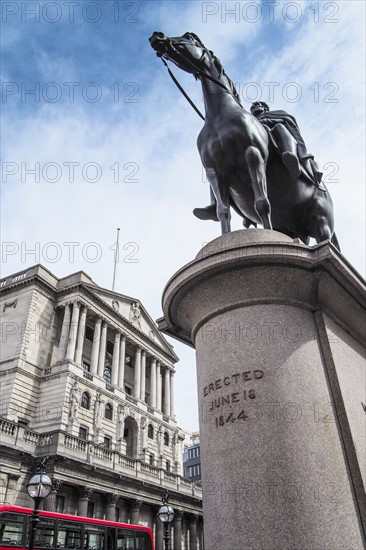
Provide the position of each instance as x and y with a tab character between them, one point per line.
197	38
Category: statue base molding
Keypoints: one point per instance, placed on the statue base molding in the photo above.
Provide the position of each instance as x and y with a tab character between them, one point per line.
278	329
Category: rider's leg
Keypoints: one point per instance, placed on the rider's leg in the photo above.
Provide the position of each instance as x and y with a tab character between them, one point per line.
288	149
207	212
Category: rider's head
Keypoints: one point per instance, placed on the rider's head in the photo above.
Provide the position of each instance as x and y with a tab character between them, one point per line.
258	108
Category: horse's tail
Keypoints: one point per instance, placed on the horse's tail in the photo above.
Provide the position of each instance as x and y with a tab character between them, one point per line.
334	241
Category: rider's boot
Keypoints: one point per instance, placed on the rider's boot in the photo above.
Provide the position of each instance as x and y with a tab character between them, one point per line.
288	148
206	213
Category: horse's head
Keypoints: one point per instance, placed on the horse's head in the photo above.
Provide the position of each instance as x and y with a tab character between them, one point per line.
187	51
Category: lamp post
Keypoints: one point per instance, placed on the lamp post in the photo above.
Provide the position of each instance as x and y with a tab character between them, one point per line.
38	487
166	516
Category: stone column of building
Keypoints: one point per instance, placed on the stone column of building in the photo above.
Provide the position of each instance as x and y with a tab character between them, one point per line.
71	344
102	348
172	411
153	384
200	534
135	511
193	532
137	374
115	358
158	386
112	500
159	533
143	376
178	529
64	333
50	501
12	488
167	391
84	495
95	348
81	335
121	370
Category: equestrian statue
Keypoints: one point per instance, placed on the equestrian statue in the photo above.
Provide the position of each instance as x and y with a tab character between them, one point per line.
256	163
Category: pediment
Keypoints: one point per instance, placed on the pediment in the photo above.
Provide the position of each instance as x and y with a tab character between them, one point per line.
134	312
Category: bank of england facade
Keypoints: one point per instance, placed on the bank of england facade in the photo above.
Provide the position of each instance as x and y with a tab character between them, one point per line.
88	382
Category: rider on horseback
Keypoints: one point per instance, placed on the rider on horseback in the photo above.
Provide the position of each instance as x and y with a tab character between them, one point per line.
285	134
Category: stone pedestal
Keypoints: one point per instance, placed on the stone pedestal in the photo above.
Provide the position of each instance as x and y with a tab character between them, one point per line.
278	328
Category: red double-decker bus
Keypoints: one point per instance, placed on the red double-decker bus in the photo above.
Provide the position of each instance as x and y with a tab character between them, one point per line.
69	532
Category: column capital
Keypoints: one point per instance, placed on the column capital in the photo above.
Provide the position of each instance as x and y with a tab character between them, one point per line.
112	498
85	492
56	484
136	505
178	515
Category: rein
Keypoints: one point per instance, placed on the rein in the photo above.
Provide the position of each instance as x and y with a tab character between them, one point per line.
181	89
197	71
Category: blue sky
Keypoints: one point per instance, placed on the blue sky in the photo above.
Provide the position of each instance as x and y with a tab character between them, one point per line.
104	100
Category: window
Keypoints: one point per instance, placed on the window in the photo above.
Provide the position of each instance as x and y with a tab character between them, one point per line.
128	359
128	390
194	453
85	400
150	431
60	504
11	528
83	433
69	534
90	511
151	459
89	333
86	366
108	411
167	465
107	442
107	375
166	439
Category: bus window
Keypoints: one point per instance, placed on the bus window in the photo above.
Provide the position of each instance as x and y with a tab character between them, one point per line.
111	534
125	539
11	529
94	537
45	533
69	535
142	541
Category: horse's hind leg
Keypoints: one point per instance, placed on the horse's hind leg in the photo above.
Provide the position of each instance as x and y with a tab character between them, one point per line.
257	174
222	200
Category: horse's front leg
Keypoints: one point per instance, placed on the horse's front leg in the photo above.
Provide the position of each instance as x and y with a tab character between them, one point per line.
257	174
222	199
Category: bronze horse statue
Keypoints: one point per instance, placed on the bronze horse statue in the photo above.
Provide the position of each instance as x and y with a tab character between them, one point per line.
242	165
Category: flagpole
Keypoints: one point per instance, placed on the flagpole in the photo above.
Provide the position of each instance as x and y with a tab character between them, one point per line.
115	259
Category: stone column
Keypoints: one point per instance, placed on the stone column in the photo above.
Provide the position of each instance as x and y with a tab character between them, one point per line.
279	347
84	495
103	344
115	358
50	501
135	511
143	376
81	335
71	345
64	334
172	411
122	357
158	386
193	532
159	534
137	374
95	348
167	391
153	384
112	500
12	488
178	530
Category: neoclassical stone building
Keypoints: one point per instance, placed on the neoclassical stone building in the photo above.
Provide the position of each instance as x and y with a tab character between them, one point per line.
88	381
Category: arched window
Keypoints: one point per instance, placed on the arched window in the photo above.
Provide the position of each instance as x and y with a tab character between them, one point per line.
108	411
85	400
150	431
107	375
166	439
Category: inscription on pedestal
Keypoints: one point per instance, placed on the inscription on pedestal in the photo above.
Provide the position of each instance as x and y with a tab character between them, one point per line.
237	391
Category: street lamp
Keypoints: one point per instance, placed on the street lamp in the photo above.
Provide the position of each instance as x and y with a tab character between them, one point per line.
38	487
166	516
